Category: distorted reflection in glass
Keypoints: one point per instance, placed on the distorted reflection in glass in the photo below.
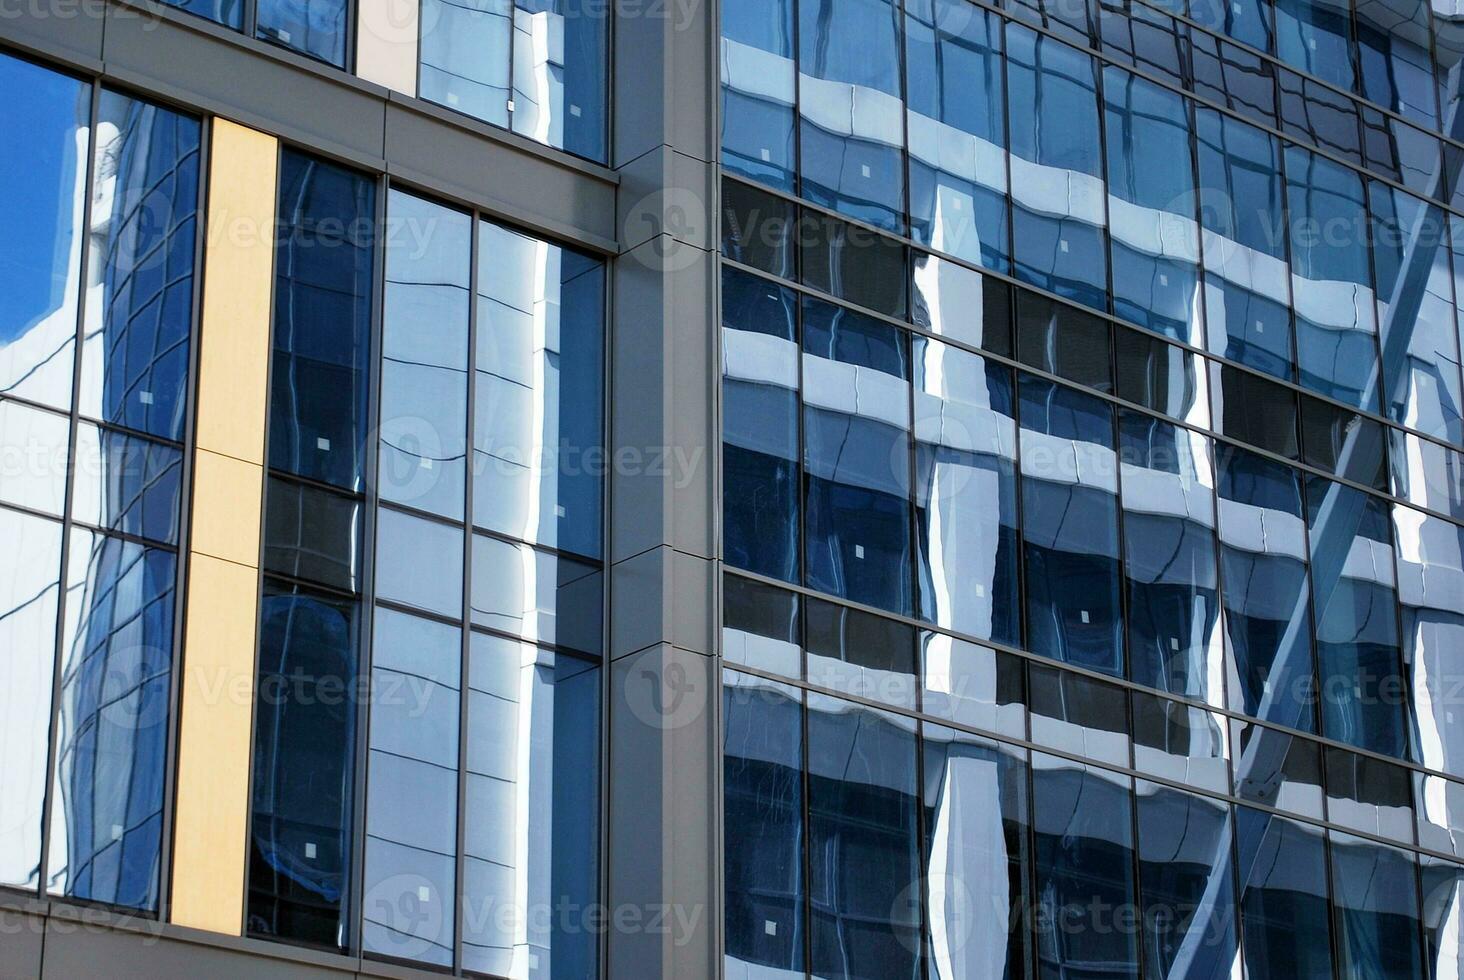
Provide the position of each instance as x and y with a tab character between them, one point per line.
962	304
464	56
758	91
1161	376
1395	57
312	27
36	461
1375	898
1181	742
312	534
1430	555
1282	868
559	74
1078	714
426	566
761	626
424	356
127	484
1440	805
859	654
973	685
1427	474
1316	37
1369	795
1442	886
536	595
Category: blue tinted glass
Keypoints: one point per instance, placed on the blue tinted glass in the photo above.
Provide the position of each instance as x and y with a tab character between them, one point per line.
1246	276
412	789
419	562
1175	640
304	767
1375	899
1316	37
957	130
760	425
1151	207
758	91
852	137
966	492
762	766
1362	683
1248	21
977	858
1396	60
322	321
863	842
230	13
1430	553
314	27
859	654
536	595
464	59
1443	890
1416	313
1331	280
1282	867
424	357
856	418
127	484
559	73
1181	742
1263	571
1070	526
1082	818
1077	713
1427	474
112	744
41	179
1185	881
1278	768
139	319
1057	175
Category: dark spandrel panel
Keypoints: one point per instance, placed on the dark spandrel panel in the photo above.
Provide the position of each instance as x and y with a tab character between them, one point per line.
1315	36
1082	818
859	654
1255	411
763	858
300	842
1369	795
761	626
973	685
1160	376
1235	78
1343	442
1277	769
976	792
757	305
313	534
308	26
1077	714
1249	21
1144	38
758	229
853	263
1185	880
863	841
962	304
1320	117
1182	742
1375	906
127	484
1064	341
759	85
322	321
1282	867
1395	57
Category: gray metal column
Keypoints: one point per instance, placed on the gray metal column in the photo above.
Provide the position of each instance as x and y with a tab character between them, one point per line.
662	861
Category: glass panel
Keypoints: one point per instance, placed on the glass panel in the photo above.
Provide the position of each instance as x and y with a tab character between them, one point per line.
1312	113
977	859
44	188
1278	769
1263	561
412	789
761	626
1083	822
760	378
419	562
1440	805
304	767
1077	714
973	685
126	484
1343	441
230	13
1443	892
1430	555
1060	340
966	493
859	654
1248	21
757	227
322	321
762	813
1057	182
1070	529
106	831
962	304
1181	742
1283	896
1160	376
1369	795
424	358
856	418
1316	37
1254	410
957	131
312	27
1427	474
852	132
863	842
1409	156
538	440
853	263
1143	38
1375	899
29	585
464	61
1396	57
1175	632
1234	77
759	91
33	457
313	534
559	73
536	595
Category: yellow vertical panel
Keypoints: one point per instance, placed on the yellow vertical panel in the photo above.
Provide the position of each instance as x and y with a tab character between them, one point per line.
386	43
217	682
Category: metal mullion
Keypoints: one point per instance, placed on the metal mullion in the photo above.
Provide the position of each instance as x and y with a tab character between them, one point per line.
603	747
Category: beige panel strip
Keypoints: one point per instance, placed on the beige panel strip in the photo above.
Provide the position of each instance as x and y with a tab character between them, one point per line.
223	576
386	43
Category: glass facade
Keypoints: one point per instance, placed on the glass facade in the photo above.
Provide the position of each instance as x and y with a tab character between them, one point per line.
1090	411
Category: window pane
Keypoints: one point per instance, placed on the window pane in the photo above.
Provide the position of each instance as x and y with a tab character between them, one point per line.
537	435
1427	474
536	595
1283	896
1070	530
559	73
1375	897
1057	182
1078	714
411	791
957	131
859	654
852	136
757	227
1396	61
973	685
1316	37
1181	742
1060	340
762	767
424	358
864	844
758	91
1443	891
1256	410
464	56
106	831
853	263
1430	556
1440	804
304	767
1369	795
34	462
127	484
856	418
43	190
313	534
962	304
419	563
322	321
532	811
1161	376
230	13
761	626
1312	113
1278	768
314	27
1248	21
966	492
